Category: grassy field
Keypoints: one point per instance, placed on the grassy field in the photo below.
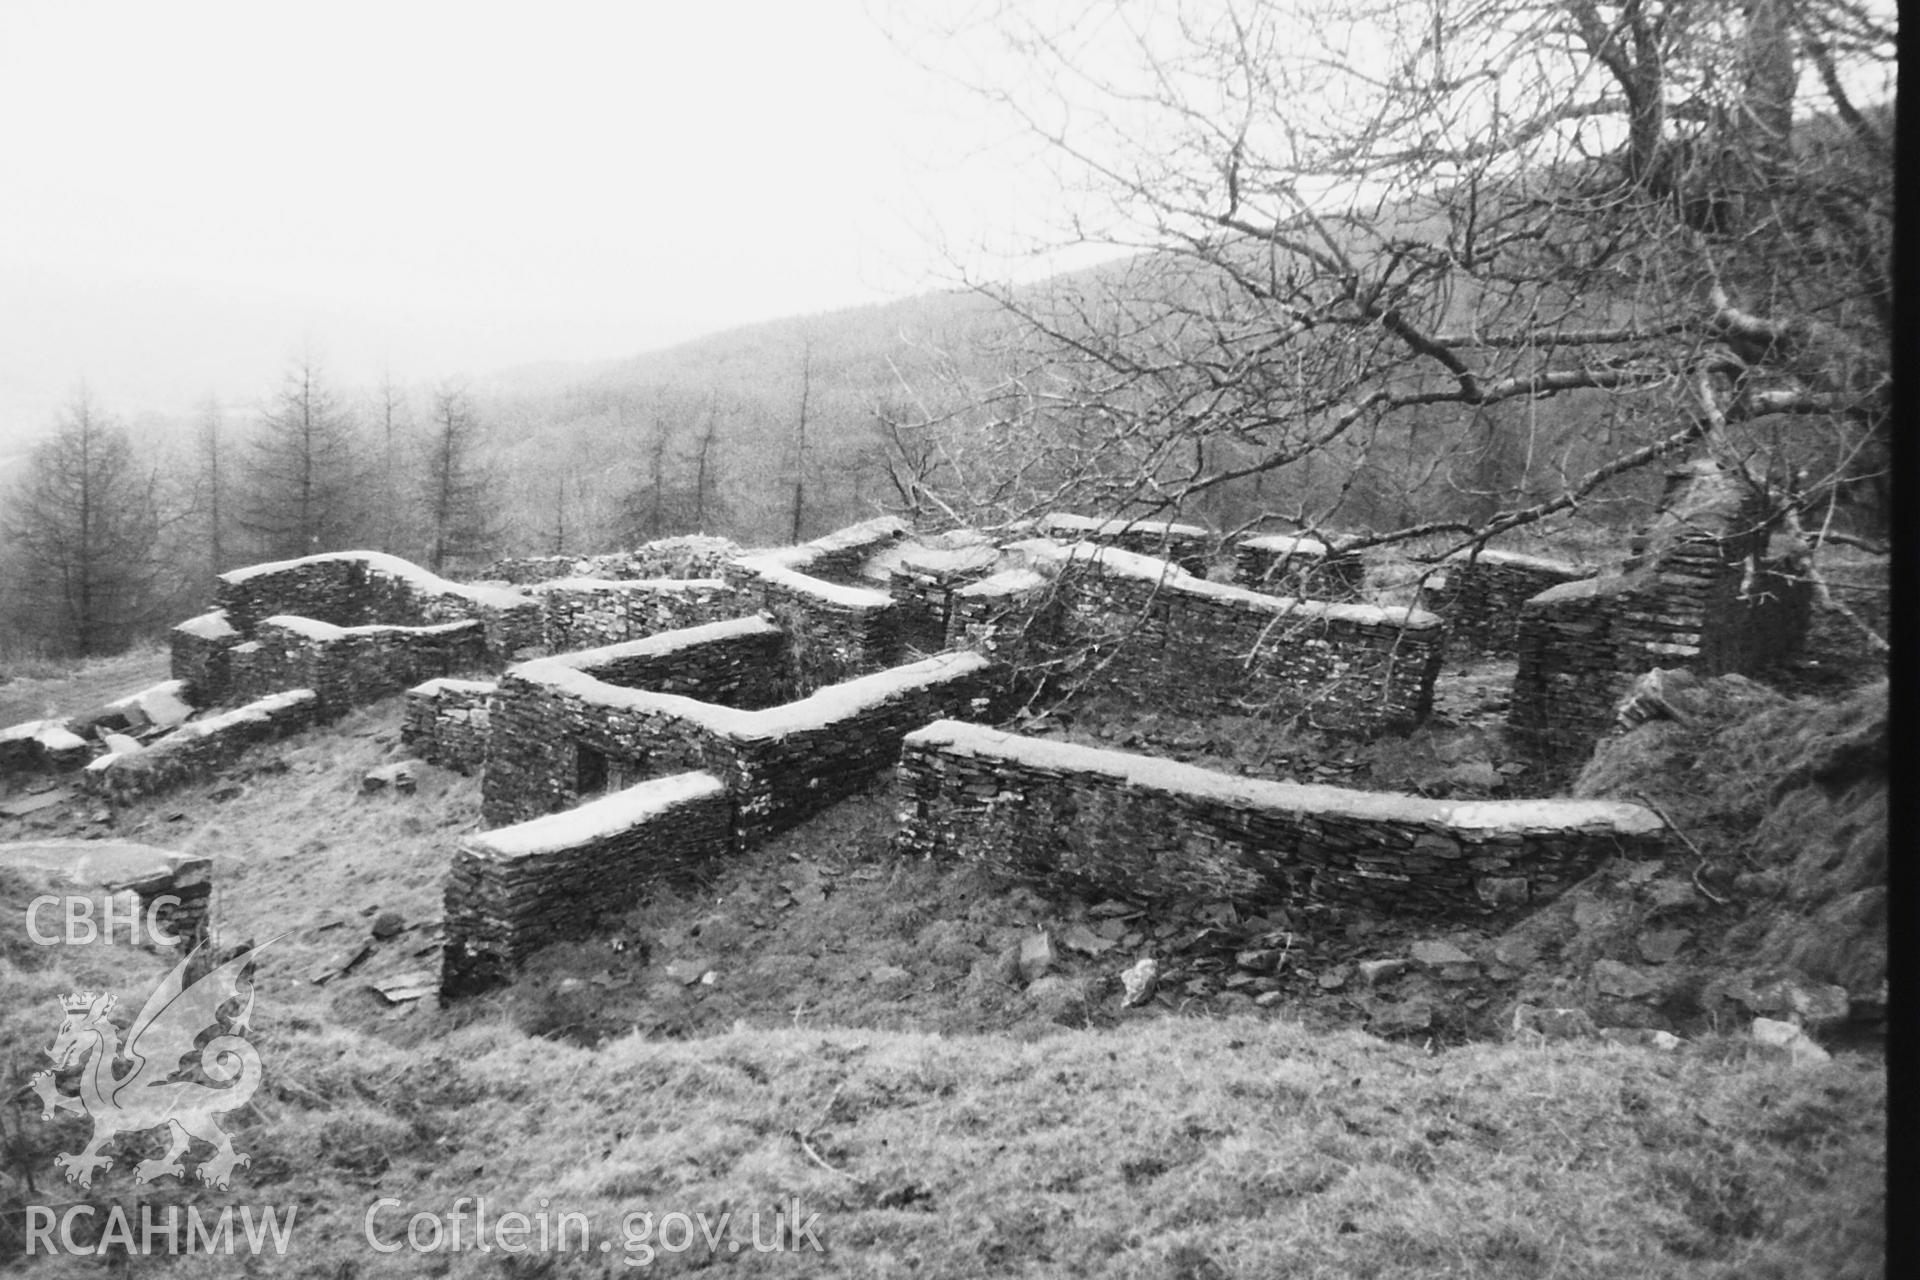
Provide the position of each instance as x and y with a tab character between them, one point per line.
39	689
859	1054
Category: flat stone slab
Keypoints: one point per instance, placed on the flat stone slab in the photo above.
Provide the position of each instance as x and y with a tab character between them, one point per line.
106	864
33	804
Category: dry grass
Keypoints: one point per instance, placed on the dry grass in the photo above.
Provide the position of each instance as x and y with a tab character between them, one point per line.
1171	1147
40	689
1159	1145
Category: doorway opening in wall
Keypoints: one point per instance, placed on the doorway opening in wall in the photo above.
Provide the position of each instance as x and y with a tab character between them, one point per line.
596	773
591	771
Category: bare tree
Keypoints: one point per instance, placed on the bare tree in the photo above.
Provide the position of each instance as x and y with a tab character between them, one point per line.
393	419
708	506
456	486
214	483
84	525
659	502
1504	255
800	455
303	476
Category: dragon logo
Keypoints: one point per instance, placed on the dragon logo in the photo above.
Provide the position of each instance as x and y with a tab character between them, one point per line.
147	1094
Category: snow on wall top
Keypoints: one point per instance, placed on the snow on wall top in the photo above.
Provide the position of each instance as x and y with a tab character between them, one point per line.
595	820
313	629
770	568
880	529
1504	817
657	645
834	703
50	734
164	703
209	626
447	684
654	586
394	567
1005	583
259	709
1067	522
1582	589
947	560
1173	578
25	730
1286	544
839	701
1518	560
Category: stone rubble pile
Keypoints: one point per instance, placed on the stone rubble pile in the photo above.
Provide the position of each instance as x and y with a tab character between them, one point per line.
199	748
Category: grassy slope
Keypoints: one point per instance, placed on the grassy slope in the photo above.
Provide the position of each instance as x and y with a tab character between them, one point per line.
37	690
1164	1145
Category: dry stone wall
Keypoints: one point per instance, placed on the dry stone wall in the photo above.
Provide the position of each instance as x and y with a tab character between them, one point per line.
199	656
1306	568
736	663
348	667
1144	630
172	889
604	718
41	744
201	747
922	584
686	556
1109	822
358	588
842	555
585	613
513	890
834	632
1187	545
560	734
1699	594
1482	593
447	723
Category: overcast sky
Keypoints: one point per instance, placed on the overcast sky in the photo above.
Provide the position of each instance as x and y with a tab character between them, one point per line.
191	191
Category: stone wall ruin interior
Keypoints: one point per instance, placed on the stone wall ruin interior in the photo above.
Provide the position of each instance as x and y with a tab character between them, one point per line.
627	729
